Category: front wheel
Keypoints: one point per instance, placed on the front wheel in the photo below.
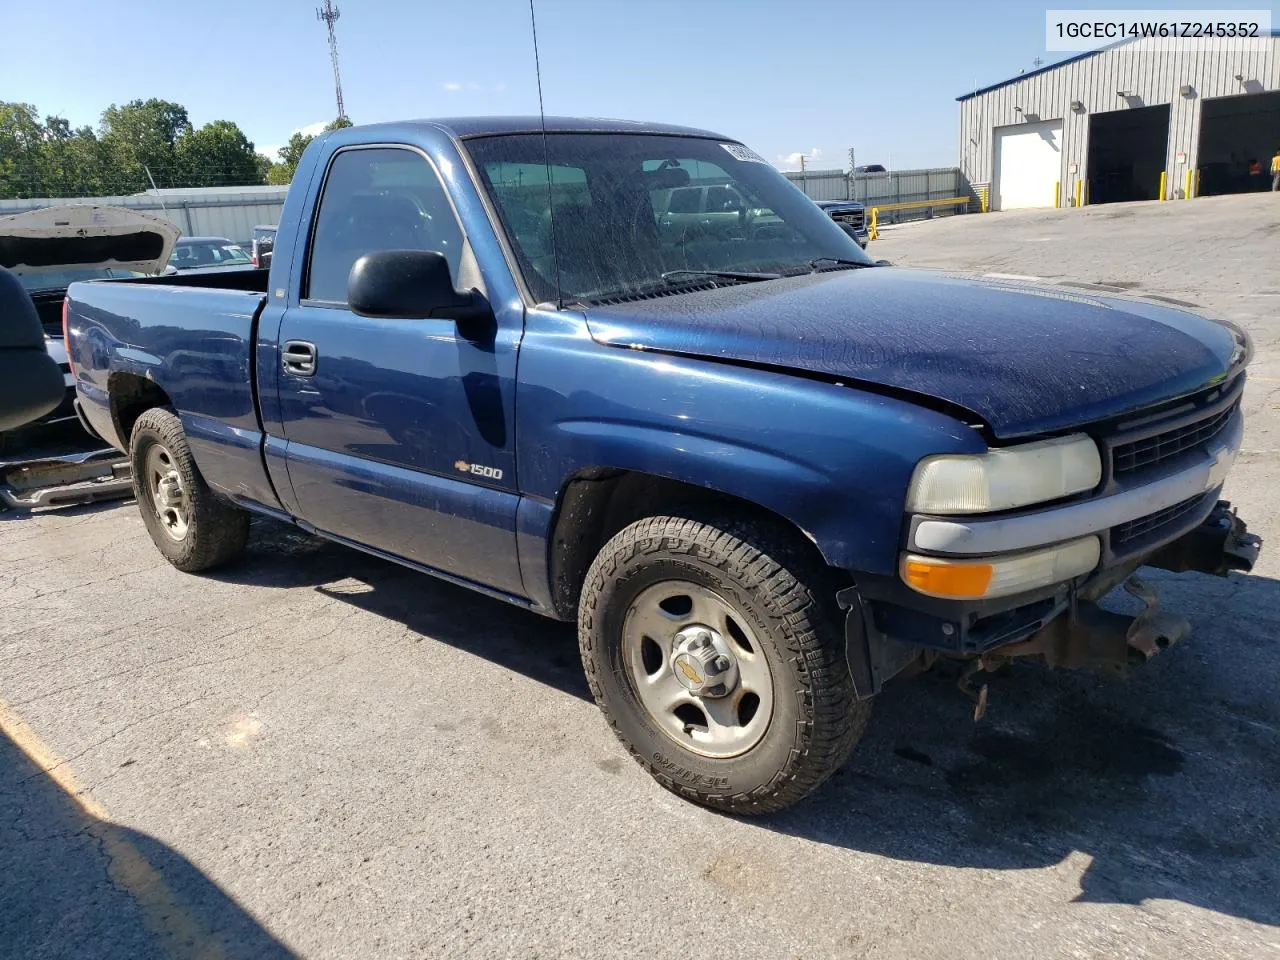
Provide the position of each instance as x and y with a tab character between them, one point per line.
718	657
190	525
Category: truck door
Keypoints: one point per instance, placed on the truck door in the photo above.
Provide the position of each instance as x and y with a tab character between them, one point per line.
400	432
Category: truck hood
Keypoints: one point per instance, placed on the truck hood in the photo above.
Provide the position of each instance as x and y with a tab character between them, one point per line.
1024	358
55	239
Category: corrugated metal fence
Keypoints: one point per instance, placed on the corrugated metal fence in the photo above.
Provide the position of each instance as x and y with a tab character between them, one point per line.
898	186
217	214
821	184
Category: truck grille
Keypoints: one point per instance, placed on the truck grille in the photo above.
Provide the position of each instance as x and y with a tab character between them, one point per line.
1128	457
1134	529
855	218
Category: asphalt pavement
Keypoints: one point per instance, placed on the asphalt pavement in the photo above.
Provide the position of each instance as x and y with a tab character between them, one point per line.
318	753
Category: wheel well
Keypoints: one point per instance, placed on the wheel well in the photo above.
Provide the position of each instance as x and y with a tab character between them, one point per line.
596	504
131	397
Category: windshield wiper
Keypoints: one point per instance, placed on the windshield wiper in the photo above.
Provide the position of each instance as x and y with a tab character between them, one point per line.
817	263
738	275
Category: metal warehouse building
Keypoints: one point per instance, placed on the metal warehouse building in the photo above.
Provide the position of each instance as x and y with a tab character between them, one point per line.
230	212
1106	125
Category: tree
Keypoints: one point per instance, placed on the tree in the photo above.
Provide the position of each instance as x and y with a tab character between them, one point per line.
139	142
264	167
291	152
216	155
72	164
134	143
21	150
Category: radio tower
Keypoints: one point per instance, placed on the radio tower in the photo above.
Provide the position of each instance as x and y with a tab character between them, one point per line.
330	14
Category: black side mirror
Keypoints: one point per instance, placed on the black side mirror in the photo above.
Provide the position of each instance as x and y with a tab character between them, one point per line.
409	285
848	228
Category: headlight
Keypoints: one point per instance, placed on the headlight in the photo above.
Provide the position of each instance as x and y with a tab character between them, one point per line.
1005	477
1000	576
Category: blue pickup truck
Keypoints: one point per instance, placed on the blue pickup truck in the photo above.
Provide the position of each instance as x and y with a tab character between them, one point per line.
764	473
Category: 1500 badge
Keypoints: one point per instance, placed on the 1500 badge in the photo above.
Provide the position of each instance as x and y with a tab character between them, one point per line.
476	469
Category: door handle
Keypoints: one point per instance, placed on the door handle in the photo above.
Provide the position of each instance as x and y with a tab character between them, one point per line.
299	358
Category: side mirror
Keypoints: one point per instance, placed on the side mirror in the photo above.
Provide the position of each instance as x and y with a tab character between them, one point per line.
409	285
848	228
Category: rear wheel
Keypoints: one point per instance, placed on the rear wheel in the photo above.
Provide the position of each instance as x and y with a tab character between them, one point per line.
190	525
715	653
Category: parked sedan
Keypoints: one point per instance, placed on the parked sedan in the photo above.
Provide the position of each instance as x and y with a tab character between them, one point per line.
197	253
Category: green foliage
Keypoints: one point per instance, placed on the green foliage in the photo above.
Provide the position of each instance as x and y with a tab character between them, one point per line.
216	155
136	143
291	152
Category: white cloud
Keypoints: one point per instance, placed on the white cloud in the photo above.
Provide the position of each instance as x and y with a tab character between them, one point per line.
272	152
470	86
791	161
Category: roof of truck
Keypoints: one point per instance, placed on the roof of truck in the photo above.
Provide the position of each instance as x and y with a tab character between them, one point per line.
462	127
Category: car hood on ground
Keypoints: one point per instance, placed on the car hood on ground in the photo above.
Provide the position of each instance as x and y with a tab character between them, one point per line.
1025	358
85	235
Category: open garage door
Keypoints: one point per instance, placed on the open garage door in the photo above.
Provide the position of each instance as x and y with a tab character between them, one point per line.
1234	133
1127	150
1028	164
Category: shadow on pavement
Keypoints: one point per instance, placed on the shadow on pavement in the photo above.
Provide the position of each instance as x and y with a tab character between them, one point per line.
74	885
76	510
509	636
1169	780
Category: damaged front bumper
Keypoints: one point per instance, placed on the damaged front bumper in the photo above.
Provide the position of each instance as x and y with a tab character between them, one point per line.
888	628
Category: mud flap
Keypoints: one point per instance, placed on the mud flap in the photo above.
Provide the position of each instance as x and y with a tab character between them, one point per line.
873	657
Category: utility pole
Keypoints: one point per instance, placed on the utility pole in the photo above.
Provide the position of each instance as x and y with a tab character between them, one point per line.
330	14
803	158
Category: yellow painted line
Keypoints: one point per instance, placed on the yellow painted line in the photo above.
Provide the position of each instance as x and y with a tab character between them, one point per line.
180	935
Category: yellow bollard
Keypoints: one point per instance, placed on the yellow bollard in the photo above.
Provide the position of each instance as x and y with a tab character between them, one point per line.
984	200
1186	193
1164	176
873	233
1057	194
1079	193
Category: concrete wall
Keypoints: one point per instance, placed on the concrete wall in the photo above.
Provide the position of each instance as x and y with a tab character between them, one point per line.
1149	71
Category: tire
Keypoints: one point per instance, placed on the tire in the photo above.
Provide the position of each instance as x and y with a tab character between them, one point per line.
763	589
211	531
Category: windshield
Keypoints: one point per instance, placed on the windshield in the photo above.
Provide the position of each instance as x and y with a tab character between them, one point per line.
188	255
645	214
62	277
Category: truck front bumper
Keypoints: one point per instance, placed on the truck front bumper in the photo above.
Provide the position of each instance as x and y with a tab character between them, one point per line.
888	625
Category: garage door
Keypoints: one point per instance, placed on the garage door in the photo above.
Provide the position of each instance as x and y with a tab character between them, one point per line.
1028	164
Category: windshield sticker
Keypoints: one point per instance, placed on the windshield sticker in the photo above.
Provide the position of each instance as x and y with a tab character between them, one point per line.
739	152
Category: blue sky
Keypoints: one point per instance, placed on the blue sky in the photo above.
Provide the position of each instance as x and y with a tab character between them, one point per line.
812	76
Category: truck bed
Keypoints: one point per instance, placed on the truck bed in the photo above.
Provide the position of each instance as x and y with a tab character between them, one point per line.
189	336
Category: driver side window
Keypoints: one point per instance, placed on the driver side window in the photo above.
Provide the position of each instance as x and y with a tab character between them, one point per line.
385	198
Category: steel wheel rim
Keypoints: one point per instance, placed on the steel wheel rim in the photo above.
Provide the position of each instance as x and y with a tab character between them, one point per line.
654	634
168	495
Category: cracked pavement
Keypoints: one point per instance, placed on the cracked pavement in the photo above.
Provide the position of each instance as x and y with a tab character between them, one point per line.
316	752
